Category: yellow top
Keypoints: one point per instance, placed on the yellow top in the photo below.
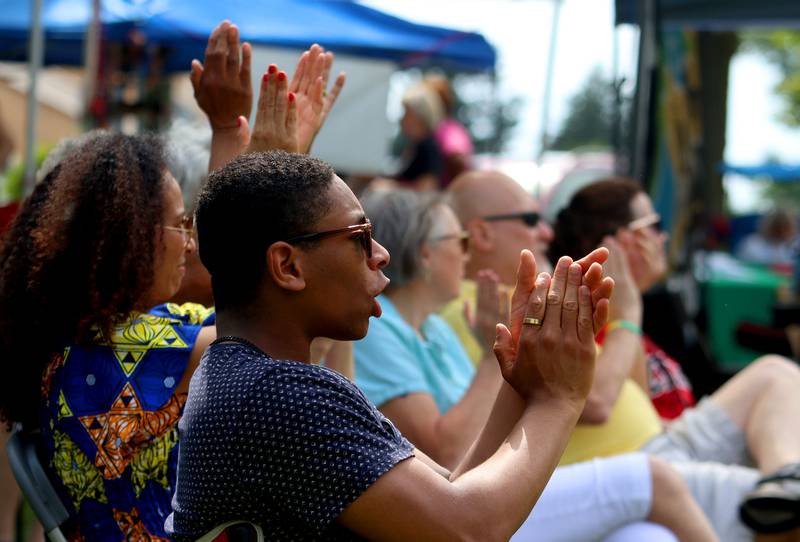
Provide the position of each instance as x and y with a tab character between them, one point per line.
632	422
453	313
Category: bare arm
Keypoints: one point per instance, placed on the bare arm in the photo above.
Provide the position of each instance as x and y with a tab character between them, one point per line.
336	355
622	347
551	368
204	338
447	437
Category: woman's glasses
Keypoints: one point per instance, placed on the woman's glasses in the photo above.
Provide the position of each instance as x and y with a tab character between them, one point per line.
361	232
530	218
186	229
652	220
462	237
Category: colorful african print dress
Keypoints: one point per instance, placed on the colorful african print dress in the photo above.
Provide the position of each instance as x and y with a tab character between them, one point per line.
110	424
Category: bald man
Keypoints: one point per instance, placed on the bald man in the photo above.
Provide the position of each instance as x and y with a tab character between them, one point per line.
617	495
502	219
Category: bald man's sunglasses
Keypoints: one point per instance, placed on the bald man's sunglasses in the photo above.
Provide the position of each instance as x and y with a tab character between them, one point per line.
530	218
361	232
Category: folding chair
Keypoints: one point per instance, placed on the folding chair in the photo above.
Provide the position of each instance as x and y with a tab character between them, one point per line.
234	531
23	456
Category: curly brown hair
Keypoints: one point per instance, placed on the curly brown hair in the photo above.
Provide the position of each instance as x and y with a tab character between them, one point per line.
595	211
79	255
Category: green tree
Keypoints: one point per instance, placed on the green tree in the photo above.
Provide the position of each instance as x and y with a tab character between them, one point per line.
782	48
590	120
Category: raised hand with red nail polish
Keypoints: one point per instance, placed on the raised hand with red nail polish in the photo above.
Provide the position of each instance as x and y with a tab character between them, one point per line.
314	102
276	115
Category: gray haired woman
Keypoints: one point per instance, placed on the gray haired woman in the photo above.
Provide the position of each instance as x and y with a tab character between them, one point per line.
411	364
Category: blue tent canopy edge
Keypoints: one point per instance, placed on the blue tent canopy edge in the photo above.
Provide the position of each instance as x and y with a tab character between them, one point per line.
776	172
182	27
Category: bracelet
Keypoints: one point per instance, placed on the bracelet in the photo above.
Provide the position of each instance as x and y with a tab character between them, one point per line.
624	324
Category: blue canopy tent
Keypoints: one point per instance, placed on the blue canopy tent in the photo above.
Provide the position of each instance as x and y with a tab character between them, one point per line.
65	23
183	27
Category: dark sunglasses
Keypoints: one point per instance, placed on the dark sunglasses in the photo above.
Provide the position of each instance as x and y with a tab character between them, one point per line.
530	218
362	232
462	237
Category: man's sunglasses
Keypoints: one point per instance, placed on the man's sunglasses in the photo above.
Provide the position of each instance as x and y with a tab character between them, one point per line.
530	218
361	232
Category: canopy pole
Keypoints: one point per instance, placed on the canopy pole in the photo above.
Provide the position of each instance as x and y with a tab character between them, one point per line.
35	56
548	81
91	57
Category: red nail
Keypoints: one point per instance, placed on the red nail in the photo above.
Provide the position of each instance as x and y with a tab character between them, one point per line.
239	122
291	96
281	76
265	77
273	68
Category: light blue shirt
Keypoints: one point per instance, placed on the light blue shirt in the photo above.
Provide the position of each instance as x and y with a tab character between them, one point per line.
393	361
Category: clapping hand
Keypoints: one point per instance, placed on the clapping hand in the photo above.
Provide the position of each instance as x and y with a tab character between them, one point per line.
491	307
548	351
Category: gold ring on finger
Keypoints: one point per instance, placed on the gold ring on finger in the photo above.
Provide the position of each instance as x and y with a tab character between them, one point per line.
531	321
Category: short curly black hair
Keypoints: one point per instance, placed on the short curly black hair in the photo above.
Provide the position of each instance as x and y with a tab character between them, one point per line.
595	211
249	204
77	257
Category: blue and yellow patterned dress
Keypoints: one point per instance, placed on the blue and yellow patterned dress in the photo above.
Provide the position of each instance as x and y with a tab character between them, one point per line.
110	423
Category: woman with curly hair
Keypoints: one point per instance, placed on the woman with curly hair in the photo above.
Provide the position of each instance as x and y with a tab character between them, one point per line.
96	359
89	362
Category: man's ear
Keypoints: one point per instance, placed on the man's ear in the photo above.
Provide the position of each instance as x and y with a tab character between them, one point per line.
481	235
284	266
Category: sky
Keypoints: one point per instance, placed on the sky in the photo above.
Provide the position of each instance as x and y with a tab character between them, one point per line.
520	32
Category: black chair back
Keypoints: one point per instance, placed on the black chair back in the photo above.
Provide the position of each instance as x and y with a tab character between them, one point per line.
24	457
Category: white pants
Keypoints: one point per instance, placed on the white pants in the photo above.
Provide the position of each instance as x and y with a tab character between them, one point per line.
604	499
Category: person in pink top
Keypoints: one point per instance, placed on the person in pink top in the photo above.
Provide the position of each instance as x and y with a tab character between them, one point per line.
453	139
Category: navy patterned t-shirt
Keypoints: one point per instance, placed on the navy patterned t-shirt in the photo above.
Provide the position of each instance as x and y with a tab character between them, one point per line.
283	444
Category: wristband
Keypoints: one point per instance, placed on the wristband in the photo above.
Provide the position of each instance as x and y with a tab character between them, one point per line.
624	324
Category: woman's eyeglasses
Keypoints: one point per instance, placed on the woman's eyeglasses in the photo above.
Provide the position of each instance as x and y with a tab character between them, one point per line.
361	232
462	237
652	220
186	229
530	218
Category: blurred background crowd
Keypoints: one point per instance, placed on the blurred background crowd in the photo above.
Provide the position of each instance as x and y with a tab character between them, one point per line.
699	104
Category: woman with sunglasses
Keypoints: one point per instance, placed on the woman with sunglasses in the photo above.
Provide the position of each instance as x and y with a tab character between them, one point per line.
749	421
617	213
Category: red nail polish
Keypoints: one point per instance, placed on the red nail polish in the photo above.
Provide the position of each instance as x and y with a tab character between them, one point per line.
273	68
291	96
238	122
281	76
265	77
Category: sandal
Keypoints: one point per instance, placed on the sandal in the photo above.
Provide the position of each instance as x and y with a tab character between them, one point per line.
774	505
